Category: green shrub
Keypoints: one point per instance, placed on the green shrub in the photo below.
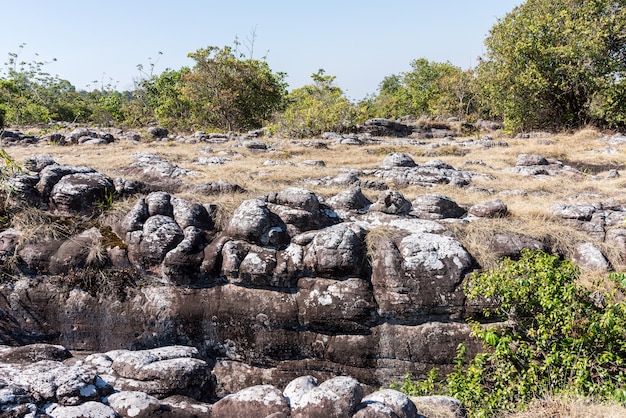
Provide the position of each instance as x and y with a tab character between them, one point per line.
548	335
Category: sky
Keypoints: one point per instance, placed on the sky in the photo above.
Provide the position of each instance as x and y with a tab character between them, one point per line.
99	42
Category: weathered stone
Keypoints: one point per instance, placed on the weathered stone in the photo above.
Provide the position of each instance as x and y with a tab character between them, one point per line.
336	250
298	387
397	159
337	397
588	256
351	199
510	244
88	409
391	202
374	410
264	400
491	209
439	405
401	405
79	251
80	193
134	404
38	162
160	234
436	206
527	160
254	222
33	352
577	211
157	132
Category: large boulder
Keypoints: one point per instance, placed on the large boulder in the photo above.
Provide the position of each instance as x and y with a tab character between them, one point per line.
253	221
264	400
336	398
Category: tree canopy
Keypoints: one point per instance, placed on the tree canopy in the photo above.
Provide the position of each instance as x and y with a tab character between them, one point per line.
557	64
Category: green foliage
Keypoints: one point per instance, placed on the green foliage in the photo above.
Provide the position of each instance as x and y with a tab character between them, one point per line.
431	89
557	64
548	337
317	108
230	92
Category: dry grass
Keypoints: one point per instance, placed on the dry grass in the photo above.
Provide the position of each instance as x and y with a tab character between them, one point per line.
569	408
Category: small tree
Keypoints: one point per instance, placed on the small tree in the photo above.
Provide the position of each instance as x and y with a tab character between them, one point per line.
317	108
557	64
231	92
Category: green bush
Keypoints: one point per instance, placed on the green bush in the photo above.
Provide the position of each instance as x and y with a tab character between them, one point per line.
547	335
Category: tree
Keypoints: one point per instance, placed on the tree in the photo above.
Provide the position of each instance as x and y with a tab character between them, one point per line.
316	108
557	64
432	89
231	92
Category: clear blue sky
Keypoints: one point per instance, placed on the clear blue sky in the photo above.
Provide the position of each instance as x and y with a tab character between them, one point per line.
360	42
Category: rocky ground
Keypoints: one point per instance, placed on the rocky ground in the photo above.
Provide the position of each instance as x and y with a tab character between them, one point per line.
341	256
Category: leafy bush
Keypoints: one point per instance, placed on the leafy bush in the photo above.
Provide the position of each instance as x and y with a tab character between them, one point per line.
316	108
548	336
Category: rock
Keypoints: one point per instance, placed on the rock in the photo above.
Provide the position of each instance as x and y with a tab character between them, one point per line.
158	203
351	199
374	410
337	397
391	202
337	251
401	405
219	187
298	387
80	193
255	145
439	405
298	198
588	256
134	404
264	400
491	209
397	159
88	409
157	133
577	211
160	234
253	221
411	272
527	160
163	372
80	251
436	206
38	162
510	244
33	352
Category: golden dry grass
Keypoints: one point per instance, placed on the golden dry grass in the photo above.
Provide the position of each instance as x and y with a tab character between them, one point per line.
569	408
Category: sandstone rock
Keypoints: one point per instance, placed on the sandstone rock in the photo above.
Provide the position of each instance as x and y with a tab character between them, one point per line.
253	221
351	199
159	235
157	132
391	202
163	372
33	352
401	405
337	397
526	160
436	206
397	159
81	250
88	409
335	306
336	250
158	203
80	193
134	404
588	256
219	187
577	211
509	244
38	162
439	404
491	209
264	400
374	410
298	198
410	273
298	387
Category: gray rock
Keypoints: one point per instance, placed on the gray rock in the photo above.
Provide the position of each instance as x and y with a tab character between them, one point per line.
253	221
158	203
528	160
336	397
443	404
157	132
351	199
80	193
374	410
588	256
401	405
134	404
88	409
391	202
264	400
495	208
336	250
436	206
397	159
38	162
298	387
577	211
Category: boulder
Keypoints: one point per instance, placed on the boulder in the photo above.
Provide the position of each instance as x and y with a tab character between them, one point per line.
491	209
80	193
335	251
391	202
351	199
88	409
264	400
436	206
253	221
134	404
337	397
397	159
398	402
